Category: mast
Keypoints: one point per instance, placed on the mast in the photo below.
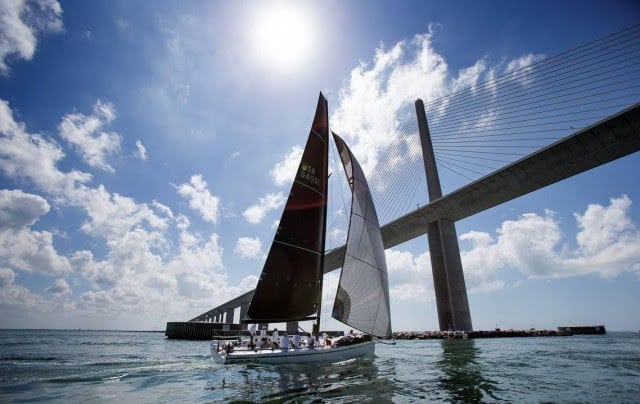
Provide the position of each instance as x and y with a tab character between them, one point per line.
324	224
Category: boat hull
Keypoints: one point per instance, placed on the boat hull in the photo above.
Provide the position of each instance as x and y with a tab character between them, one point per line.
303	355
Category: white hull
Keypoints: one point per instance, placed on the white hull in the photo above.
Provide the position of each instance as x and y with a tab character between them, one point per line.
302	355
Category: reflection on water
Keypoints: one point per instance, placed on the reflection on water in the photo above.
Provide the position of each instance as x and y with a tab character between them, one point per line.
355	380
462	374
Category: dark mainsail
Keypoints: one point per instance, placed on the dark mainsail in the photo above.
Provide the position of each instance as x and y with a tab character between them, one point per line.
290	286
362	299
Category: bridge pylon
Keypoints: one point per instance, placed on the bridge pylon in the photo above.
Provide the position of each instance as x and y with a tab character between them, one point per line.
448	278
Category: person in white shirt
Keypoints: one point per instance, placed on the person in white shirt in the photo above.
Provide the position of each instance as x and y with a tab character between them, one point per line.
296	340
284	343
275	338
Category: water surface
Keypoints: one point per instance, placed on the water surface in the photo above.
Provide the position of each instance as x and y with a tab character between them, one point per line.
99	366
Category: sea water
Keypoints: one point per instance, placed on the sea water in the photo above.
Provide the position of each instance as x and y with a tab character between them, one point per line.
116	366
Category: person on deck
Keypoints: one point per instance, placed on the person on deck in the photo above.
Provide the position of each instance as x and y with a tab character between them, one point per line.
296	340
327	340
311	342
263	339
284	343
275	338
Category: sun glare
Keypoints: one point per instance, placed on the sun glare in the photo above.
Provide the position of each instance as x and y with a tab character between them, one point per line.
283	36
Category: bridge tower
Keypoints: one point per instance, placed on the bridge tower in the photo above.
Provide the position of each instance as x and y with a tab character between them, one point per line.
446	265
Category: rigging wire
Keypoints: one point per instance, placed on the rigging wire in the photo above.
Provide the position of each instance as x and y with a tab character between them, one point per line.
482	128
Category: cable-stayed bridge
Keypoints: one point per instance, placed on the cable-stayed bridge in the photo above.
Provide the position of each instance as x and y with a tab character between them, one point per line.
541	121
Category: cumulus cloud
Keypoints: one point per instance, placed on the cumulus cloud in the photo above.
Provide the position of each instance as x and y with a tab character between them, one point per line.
608	244
200	199
248	247
255	213
378	98
410	277
140	265
22	22
6	277
17	296
142	151
19	209
85	133
60	287
111	215
33	157
21	247
285	170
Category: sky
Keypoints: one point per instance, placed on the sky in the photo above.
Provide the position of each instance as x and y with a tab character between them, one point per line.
146	149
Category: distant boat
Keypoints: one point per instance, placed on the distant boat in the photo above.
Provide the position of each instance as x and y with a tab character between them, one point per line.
290	285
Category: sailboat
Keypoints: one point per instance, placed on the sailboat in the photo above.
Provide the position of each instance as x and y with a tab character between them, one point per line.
290	286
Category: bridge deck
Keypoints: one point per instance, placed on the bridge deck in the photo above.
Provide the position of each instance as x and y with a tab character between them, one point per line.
605	141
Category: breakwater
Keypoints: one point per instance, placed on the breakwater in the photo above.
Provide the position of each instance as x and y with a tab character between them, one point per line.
497	333
200	330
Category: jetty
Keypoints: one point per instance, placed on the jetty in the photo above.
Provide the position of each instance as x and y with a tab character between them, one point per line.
585	329
497	333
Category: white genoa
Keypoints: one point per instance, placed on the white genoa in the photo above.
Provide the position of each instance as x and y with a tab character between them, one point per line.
302	355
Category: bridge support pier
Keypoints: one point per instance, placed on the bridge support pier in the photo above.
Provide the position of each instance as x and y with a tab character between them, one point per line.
244	307
446	266
229	316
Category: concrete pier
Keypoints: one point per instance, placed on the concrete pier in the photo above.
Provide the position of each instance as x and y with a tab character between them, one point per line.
200	330
497	333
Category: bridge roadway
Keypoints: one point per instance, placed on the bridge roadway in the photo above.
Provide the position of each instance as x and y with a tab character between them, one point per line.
605	141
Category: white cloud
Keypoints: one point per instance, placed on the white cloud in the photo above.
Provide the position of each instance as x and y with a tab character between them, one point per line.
86	134
285	170
111	215
7	277
142	266
34	157
248	247
522	62
255	213
165	210
19	210
410	277
21	22
378	99
199	198
468	77
142	151
60	287
21	247
608	244
20	297
375	98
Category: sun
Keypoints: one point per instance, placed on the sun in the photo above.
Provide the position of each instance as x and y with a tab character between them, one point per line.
283	36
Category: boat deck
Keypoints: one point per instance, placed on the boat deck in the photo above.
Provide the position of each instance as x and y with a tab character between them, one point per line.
276	355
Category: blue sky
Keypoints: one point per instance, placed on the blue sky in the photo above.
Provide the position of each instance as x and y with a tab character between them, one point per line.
146	148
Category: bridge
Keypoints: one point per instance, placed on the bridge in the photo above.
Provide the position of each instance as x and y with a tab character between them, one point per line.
610	63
